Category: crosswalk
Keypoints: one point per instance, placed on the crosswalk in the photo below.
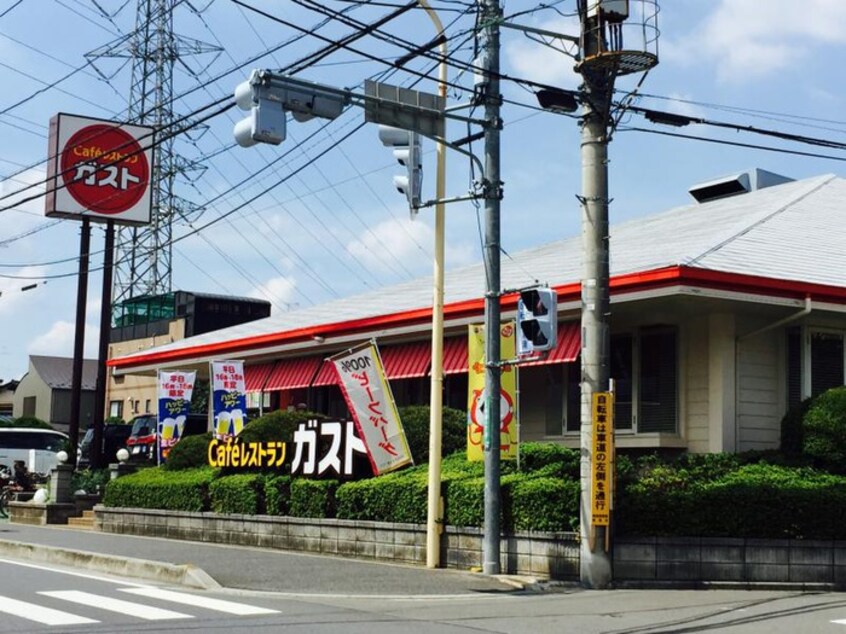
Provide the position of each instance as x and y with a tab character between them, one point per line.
85	607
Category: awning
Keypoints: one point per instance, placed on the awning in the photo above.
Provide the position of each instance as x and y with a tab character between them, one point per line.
455	355
566	349
407	360
256	375
290	374
325	375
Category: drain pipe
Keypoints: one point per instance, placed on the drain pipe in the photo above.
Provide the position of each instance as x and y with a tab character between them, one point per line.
780	322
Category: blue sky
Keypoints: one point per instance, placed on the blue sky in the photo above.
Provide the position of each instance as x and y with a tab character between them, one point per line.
338	227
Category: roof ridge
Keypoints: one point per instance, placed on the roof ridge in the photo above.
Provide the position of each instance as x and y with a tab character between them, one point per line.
757	223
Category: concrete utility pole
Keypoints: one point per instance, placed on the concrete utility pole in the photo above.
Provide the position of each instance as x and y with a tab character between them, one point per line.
491	15
603	59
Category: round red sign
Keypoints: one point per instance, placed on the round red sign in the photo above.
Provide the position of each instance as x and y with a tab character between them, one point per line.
105	169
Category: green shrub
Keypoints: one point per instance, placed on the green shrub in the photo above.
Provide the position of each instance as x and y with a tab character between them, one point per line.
792	434
155	488
90	480
755	500
190	452
557	459
415	422
543	504
241	493
28	421
277	494
395	497
114	420
824	430
464	503
313	498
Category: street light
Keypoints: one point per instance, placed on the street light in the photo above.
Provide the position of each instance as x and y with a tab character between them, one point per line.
436	402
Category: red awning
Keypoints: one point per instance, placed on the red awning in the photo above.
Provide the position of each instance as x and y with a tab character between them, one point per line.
325	375
568	346
455	355
407	360
256	375
290	374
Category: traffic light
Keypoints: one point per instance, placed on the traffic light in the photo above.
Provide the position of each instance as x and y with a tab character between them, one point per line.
406	145
537	320
270	96
266	122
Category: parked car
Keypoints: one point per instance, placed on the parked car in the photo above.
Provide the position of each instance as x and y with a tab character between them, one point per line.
115	436
141	443
37	447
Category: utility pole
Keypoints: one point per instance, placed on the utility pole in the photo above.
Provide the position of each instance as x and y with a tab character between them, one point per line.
603	59
491	15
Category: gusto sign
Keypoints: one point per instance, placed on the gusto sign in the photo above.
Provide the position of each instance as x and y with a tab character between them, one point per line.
99	169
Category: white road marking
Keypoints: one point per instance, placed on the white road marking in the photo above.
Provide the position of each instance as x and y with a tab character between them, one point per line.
41	614
230	607
139	610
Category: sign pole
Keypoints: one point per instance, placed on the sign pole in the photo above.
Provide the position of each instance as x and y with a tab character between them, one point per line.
79	337
105	332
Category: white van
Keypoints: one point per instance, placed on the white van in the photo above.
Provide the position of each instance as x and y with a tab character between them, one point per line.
36	447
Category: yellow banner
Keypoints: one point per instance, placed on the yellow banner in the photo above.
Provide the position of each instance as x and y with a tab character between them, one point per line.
602	454
509	431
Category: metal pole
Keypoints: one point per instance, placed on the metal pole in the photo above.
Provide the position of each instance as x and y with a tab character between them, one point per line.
595	566
103	351
79	337
491	15
436	409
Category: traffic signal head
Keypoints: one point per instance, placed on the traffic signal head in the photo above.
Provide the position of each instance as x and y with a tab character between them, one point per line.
537	321
406	145
269	97
266	121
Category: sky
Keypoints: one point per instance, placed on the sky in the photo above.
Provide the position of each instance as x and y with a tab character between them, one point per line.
331	224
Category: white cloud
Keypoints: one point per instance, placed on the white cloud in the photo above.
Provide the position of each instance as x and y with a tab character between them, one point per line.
748	38
58	341
13	300
408	242
529	59
278	291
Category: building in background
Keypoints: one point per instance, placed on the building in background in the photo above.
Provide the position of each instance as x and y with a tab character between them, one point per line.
45	391
7	397
142	323
724	313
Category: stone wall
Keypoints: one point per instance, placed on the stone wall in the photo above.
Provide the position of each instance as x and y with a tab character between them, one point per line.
547	555
684	560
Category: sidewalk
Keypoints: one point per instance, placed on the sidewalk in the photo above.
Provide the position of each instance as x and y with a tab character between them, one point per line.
254	568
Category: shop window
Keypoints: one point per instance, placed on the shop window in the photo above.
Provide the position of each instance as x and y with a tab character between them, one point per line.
116	409
825	361
644	367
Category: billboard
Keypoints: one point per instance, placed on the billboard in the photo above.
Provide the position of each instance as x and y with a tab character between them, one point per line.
99	169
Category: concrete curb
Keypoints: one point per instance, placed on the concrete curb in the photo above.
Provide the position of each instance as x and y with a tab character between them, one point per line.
183	574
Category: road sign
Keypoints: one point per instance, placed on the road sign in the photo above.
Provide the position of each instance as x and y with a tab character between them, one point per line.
100	169
404	108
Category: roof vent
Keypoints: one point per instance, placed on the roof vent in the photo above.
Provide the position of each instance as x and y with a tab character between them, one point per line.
736	184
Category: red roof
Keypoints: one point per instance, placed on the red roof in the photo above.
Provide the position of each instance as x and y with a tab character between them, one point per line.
256	375
290	374
407	360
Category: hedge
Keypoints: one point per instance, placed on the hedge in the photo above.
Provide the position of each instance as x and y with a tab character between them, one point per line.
277	494
241	493
155	488
313	498
824	430
190	452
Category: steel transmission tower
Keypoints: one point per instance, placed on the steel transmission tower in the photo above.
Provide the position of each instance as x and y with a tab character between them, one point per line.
143	264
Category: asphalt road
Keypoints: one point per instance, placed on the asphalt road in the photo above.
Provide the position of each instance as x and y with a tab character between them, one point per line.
36	598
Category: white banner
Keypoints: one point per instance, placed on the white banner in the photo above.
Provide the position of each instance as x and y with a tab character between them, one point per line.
371	402
175	390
